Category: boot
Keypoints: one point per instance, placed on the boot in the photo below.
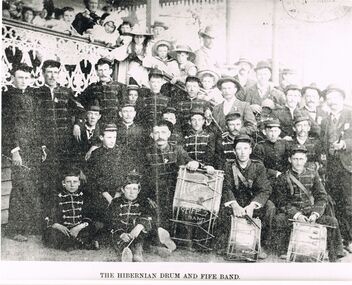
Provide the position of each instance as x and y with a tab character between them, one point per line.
164	238
137	251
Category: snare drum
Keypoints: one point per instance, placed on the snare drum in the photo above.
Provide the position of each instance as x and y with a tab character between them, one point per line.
196	207
307	243
244	239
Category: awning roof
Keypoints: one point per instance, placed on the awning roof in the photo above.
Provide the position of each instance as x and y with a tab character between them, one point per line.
138	3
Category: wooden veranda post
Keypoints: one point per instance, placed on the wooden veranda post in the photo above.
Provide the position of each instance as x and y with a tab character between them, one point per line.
153	7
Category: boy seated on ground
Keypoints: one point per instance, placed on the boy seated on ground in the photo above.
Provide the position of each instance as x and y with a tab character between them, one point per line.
300	195
130	218
67	226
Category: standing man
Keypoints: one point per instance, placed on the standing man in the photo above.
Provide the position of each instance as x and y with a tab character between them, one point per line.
244	68
57	111
229	87
287	114
263	89
206	56
21	145
106	91
312	108
162	165
337	139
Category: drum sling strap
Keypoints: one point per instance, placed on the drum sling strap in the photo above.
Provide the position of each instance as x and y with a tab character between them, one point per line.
290	178
237	176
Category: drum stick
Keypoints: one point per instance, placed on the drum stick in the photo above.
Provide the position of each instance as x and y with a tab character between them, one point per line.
251	220
292	220
9	158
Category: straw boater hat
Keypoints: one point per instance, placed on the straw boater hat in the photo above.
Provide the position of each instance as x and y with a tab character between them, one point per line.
113	18
205	72
207	32
245	60
161	43
186	49
139	31
160	24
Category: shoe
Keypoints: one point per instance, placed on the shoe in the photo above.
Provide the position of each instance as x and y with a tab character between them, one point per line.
137	251
348	247
20	238
165	239
126	255
262	255
161	251
283	256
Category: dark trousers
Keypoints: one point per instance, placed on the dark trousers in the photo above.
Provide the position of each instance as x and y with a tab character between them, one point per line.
56	239
265	214
282	229
339	186
25	210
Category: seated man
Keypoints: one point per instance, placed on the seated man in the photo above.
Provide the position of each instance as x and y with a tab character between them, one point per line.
300	195
130	218
247	190
68	226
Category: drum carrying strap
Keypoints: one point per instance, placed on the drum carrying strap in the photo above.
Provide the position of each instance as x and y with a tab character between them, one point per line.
237	176
290	179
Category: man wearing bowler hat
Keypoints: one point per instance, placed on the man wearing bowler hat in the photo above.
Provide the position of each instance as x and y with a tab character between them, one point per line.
206	56
312	105
336	133
263	89
244	68
300	195
247	189
229	87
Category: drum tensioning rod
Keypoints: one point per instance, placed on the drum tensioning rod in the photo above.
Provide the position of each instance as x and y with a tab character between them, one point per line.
192	224
312	224
248	218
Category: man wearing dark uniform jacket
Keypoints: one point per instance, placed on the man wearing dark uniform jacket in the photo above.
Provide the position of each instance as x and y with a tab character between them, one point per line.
162	165
198	142
184	107
108	165
129	134
337	140
272	152
106	91
247	189
300	195
21	146
287	113
57	111
154	101
316	157
224	151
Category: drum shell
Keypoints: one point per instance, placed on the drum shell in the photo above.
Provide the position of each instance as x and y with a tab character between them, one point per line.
307	243
244	239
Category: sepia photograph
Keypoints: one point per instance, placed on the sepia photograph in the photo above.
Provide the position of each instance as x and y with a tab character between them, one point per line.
190	136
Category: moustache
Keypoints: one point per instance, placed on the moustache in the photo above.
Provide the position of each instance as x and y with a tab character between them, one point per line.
160	140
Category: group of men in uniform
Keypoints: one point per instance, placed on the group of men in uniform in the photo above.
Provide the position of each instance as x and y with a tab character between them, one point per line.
282	155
